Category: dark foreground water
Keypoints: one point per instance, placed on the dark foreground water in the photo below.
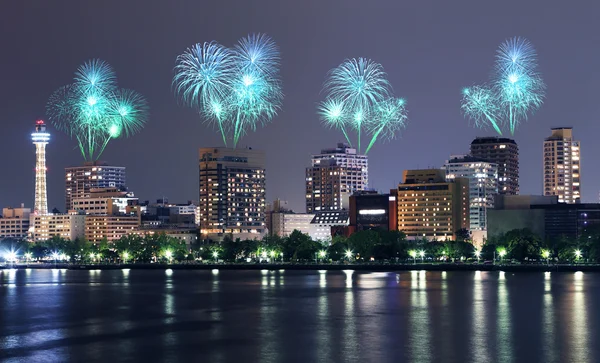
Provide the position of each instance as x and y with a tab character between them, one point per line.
295	316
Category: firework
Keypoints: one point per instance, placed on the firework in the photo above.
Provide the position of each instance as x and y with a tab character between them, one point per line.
359	97
516	89
93	110
237	88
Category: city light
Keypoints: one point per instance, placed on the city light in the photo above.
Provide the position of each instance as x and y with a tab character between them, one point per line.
28	256
215	254
349	254
322	254
10	256
577	254
545	254
125	256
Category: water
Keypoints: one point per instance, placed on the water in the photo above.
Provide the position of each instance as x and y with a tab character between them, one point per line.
295	316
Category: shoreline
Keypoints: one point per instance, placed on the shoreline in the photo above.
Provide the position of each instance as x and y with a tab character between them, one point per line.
315	267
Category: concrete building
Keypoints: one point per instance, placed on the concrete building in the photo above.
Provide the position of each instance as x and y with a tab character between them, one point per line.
111	227
429	207
543	215
333	176
483	185
505	154
284	223
562	167
187	235
80	180
371	210
323	222
68	226
15	222
106	201
232	193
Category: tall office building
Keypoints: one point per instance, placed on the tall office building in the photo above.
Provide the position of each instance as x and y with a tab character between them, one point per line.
504	153
334	175
40	139
561	166
80	180
429	207
232	193
483	185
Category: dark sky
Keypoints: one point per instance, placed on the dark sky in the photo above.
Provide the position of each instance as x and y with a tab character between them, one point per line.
430	50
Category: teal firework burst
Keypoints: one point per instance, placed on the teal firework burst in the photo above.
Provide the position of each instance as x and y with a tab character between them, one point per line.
237	88
93	110
516	89
359	97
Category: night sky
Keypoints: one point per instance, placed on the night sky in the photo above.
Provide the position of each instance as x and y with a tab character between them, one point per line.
430	50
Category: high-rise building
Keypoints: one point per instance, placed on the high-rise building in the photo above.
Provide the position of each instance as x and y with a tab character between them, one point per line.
80	180
483	185
334	175
232	193
504	153
561	166
40	139
431	207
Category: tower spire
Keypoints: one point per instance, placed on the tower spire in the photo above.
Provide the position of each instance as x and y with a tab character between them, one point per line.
40	139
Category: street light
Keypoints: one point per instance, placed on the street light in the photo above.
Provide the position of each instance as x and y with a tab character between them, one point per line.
577	255
413	254
125	256
502	253
477	254
422	254
322	254
28	256
546	255
348	254
169	255
11	257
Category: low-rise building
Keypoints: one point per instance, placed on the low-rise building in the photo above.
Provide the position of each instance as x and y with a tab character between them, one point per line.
183	234
284	223
46	226
111	227
543	215
14	222
323	222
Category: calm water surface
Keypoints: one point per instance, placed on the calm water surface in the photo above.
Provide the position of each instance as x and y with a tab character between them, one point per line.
277	316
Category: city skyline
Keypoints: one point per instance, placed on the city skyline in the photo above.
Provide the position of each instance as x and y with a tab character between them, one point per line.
173	134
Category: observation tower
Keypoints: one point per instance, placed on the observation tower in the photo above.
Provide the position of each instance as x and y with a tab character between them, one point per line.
40	139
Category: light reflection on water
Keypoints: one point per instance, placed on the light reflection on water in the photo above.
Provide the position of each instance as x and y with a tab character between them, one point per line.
275	316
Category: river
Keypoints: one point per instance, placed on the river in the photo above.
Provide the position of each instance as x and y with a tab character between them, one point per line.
298	316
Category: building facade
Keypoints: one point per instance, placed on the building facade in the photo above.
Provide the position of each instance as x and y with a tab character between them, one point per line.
562	167
111	227
46	226
284	223
429	207
505	154
324	222
371	210
333	176
105	201
544	216
232	193
15	222
483	185
80	180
